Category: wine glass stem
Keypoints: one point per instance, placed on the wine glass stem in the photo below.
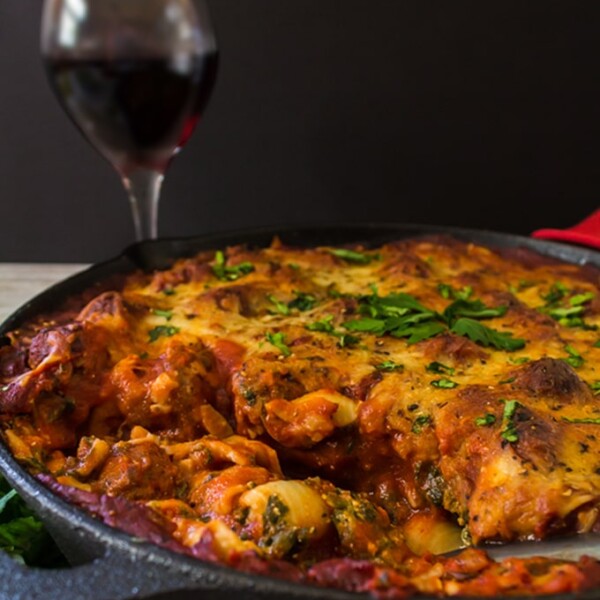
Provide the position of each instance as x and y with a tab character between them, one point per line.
143	187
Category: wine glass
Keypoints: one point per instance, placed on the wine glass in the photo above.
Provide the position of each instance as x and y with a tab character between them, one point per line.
134	76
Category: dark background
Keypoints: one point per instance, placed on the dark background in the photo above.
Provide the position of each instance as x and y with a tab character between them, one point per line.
481	114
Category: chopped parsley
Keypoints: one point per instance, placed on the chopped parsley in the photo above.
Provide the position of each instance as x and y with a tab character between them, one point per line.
521	360
420	422
574	359
402	315
583	421
389	366
486	421
567	310
439	368
325	325
167	314
509	430
474	309
352	256
229	273
486	336
443	383
556	293
448	292
302	302
162	331
595	386
278	340
280	307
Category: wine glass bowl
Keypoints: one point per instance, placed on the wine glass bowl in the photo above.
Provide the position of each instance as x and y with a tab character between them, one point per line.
134	76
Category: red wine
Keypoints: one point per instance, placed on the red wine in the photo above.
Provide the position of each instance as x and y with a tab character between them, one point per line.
136	112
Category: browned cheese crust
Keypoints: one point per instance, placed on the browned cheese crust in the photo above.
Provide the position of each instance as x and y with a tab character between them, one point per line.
338	416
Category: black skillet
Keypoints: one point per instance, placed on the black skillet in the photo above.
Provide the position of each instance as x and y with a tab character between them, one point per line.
111	565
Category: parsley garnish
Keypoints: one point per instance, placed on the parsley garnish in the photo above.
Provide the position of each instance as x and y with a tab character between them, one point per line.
475	309
167	314
574	359
486	336
278	340
439	368
169	291
388	366
557	292
352	256
595	387
326	326
402	315
509	430
420	422
443	383
302	301
280	307
579	299
448	292
521	360
486	421
162	331
582	421
569	314
229	273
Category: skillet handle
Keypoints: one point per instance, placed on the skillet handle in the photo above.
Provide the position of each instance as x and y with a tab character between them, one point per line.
585	233
114	576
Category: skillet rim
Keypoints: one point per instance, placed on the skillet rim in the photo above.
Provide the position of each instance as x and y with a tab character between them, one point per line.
157	254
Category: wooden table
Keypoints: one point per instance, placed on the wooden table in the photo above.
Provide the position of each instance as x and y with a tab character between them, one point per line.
21	281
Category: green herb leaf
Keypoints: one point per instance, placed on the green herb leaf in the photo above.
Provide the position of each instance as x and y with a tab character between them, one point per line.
22	535
486	421
169	291
595	387
448	292
162	331
280	307
420	332
439	368
509	430
420	422
486	336
574	359
229	273
367	325
325	325
345	340
557	292
302	302
519	361
352	256
388	366
278	340
582	421
167	314
475	309
446	384
579	299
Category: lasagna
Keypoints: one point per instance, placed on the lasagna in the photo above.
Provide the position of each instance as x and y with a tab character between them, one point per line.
346	417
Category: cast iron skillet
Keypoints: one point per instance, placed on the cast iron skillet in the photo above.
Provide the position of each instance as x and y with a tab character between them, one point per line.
111	565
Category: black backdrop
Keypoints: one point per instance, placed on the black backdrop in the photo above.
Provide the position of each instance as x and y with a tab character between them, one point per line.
481	113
